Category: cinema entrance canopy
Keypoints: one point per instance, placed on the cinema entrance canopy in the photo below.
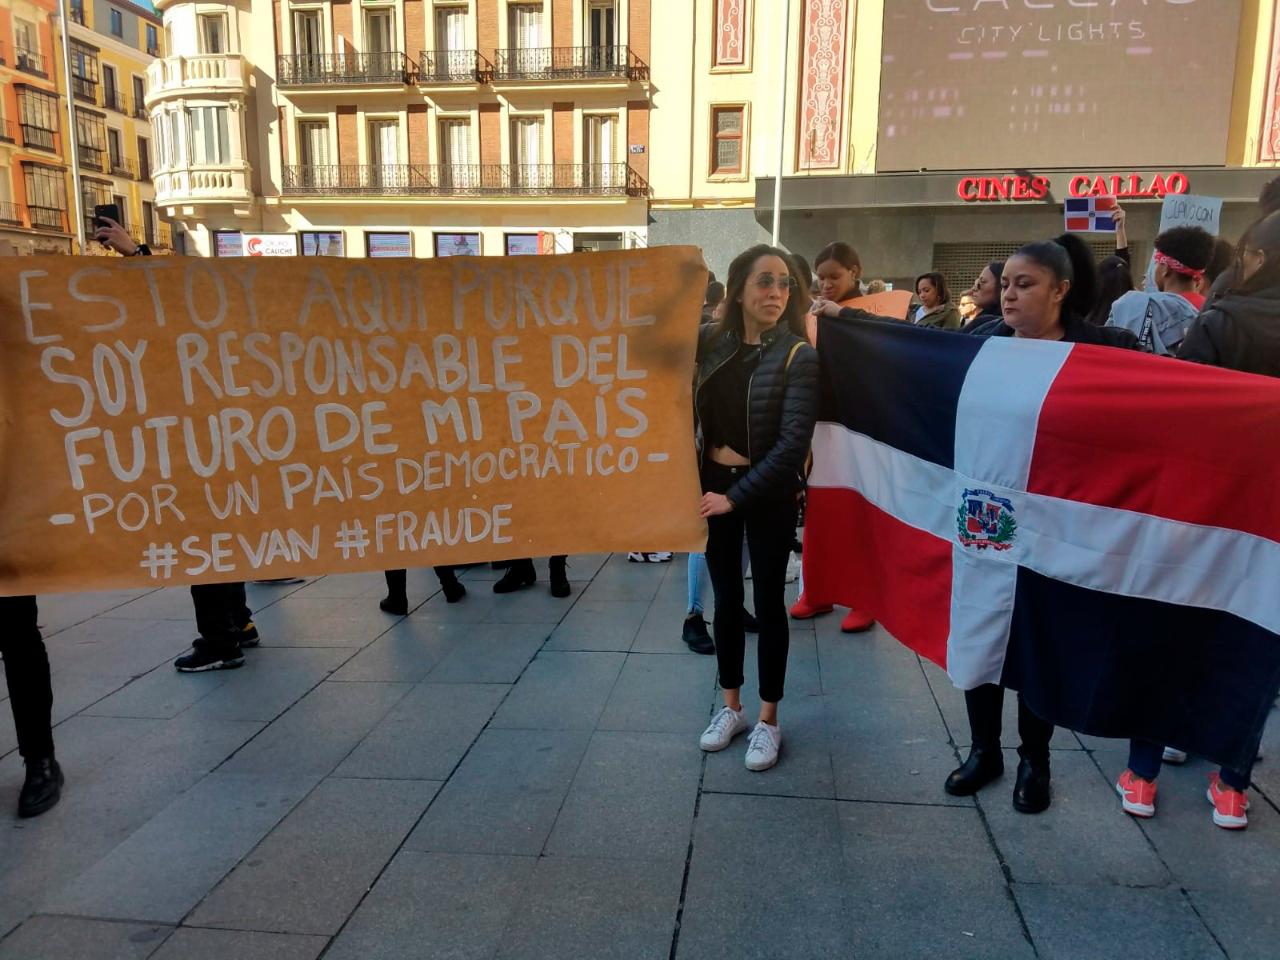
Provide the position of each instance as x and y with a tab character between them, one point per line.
904	224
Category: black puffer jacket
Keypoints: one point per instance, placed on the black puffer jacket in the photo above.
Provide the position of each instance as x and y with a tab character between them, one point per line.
1238	331
781	403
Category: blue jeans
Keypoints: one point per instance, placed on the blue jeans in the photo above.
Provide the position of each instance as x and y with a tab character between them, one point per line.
1144	760
698	578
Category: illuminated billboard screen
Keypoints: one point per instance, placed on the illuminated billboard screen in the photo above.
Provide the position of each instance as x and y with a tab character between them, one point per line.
982	84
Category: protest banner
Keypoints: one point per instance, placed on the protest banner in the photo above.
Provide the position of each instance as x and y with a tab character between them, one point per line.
177	420
1186	210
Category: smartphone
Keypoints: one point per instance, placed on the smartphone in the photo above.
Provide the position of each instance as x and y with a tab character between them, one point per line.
111	210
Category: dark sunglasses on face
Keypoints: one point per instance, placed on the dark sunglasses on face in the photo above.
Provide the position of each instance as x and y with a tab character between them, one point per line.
767	281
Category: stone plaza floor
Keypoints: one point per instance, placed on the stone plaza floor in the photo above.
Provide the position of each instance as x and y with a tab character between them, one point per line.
519	777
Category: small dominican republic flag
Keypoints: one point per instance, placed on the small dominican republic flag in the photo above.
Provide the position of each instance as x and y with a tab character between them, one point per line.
1090	214
1094	527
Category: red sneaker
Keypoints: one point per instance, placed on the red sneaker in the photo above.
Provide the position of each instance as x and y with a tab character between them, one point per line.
1229	805
1137	796
803	610
857	622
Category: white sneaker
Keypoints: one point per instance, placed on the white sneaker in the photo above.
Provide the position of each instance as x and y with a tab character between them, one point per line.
1173	755
762	748
636	557
793	569
662	556
725	725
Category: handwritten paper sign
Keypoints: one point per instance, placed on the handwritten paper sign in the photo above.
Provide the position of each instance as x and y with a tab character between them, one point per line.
177	420
1186	210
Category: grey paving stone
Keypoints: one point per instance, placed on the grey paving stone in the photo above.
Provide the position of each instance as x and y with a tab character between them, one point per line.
62	938
871	663
661	693
572	909
1085	815
318	733
494	654
161	693
804	765
599	625
436	905
168	865
1243	918
632	798
561	691
505	795
532	605
109	646
476	607
1070	921
425	734
336	631
194	944
170	603
62	610
409	649
271	681
892	751
309	874
348	586
926	882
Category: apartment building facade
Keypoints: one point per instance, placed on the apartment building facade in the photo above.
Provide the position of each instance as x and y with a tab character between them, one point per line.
404	127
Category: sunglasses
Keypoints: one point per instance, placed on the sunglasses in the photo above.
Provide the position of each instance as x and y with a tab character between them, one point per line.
767	281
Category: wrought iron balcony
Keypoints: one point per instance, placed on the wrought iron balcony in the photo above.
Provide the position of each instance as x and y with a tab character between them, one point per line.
7	131
10	213
29	62
453	66
124	167
115	100
325	69
46	218
466	180
568	63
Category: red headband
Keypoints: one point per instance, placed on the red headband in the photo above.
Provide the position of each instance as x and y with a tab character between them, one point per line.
1177	266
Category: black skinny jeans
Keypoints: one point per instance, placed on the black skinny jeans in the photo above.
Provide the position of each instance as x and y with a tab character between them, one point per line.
221	613
986	714
26	668
770	528
398	580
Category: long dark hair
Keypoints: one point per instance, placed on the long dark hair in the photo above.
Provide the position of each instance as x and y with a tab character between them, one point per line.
939	283
1067	258
1264	235
1115	279
997	271
842	253
739	270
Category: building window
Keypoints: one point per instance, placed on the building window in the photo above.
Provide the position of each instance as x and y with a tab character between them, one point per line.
139	98
388	244
123	206
599	143
84	72
602	28
153	41
91	140
451	28
308	38
525	26
323	244
38	117
384	143
313	143
726	148
228	243
77	12
46	195
111	98
379	31
148	223
455	154
457	244
117	23
26	43
144	159
115	150
210	137
213	33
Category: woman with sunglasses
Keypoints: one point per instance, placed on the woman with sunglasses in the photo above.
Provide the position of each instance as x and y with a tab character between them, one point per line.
755	396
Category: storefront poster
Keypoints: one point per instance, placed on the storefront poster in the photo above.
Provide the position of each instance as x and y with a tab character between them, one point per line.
270	245
389	244
457	244
228	243
322	244
523	244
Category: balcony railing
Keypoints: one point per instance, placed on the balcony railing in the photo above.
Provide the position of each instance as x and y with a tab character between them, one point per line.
341	68
46	218
39	138
115	100
140	110
144	168
569	63
218	72
29	62
162	238
10	213
92	157
124	167
453	66
466	180
7	131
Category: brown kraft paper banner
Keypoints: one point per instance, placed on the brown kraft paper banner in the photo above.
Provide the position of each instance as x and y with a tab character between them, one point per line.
176	420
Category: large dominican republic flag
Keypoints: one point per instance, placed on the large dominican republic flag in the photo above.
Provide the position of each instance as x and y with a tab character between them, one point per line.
1097	528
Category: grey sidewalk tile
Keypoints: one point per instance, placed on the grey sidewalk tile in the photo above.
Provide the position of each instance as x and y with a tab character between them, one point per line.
505	795
804	764
335	631
188	943
425	734
765	881
632	799
871	663
561	691
599	625
62	610
1242	917
170	603
162	693
129	647
475	607
167	866
602	909
491	653
317	733
310	872
342	586
661	693
1045	848
925	882
534	604
64	938
405	652
892	751
436	905
271	681
1069	921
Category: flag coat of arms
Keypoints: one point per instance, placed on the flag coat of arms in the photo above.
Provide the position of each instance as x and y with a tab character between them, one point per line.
1096	528
1090	214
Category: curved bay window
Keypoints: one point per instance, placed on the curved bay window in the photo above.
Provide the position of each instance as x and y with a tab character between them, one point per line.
46	196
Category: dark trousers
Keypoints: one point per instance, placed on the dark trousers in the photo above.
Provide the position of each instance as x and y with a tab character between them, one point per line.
986	712
221	612
1145	758
398	580
769	528
26	668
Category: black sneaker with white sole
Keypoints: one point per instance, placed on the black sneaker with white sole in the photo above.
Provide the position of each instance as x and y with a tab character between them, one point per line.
201	659
248	636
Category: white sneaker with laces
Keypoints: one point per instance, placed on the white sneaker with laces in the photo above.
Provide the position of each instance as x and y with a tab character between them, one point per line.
725	725
1173	755
762	748
662	556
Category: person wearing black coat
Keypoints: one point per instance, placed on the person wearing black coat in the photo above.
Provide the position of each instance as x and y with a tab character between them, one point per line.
755	398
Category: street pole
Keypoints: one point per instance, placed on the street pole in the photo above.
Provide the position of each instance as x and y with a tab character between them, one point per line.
782	120
77	198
